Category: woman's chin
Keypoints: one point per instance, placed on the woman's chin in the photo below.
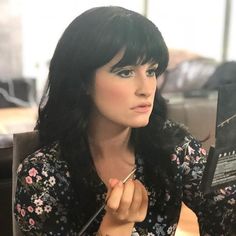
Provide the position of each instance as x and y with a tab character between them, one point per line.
140	124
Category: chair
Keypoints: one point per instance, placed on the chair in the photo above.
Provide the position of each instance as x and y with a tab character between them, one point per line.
5	184
23	145
198	114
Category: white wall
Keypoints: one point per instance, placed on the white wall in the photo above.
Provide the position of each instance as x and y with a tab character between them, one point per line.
232	36
43	23
195	25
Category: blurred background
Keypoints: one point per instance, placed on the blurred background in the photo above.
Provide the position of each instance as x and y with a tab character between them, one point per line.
198	33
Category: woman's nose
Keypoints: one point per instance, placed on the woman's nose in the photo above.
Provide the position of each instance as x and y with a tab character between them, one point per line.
145	86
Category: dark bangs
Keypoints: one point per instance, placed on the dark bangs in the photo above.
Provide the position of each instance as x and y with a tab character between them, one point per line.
144	44
122	29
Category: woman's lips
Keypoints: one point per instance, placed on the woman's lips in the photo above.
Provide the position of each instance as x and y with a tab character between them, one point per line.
142	108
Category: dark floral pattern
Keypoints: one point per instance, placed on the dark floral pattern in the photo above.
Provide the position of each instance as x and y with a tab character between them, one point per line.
45	198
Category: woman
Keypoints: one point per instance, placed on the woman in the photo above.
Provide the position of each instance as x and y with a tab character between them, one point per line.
101	117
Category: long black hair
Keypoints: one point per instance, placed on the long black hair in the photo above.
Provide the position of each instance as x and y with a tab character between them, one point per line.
89	42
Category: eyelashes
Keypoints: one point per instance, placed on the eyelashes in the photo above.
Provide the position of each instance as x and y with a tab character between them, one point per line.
130	72
125	73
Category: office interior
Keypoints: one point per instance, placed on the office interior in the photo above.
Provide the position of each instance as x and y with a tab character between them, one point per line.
200	35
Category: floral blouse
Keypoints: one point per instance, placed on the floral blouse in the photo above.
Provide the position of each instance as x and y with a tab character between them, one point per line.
45	198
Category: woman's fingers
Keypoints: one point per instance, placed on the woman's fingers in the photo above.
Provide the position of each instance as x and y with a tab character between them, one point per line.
112	183
128	201
137	197
144	205
138	208
113	200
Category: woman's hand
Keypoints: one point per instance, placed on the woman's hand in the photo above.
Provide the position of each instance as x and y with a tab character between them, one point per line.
127	202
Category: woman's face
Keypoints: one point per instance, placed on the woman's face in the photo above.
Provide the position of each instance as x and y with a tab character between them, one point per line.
124	96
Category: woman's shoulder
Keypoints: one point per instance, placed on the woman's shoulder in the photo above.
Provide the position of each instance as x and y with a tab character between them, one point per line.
44	193
186	145
44	160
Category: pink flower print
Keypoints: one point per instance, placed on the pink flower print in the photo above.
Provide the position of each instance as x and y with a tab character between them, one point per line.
173	157
30	209
28	180
33	172
31	221
22	212
203	151
18	208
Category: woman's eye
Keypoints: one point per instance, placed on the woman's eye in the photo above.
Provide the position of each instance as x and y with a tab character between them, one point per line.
125	73
151	72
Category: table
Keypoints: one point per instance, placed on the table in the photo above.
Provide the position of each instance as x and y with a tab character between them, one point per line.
16	120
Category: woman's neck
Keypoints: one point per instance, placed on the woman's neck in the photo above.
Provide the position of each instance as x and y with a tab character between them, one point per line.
107	142
110	149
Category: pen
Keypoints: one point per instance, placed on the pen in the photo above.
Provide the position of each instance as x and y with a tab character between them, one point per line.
101	208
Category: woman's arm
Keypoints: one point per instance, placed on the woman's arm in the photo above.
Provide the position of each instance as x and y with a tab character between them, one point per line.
41	203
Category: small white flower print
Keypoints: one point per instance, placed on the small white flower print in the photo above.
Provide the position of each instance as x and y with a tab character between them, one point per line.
38	178
39	210
134	232
39	154
169	230
45	173
219	197
52	180
232	201
47	208
38	202
19	168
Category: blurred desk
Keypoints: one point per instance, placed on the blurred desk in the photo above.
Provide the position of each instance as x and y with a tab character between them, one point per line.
16	120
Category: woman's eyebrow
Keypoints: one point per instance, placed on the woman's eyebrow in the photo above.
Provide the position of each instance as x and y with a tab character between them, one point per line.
118	68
